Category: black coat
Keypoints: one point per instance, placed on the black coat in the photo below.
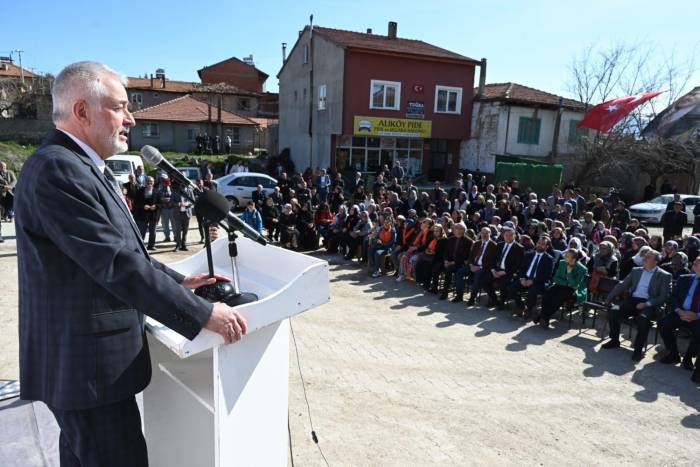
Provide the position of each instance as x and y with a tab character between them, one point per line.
458	250
140	202
514	258
544	271
85	282
673	223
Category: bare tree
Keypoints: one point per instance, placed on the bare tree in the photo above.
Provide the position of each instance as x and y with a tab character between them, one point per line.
20	100
598	75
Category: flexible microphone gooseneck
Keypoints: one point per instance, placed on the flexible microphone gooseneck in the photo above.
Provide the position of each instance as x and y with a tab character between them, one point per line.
214	208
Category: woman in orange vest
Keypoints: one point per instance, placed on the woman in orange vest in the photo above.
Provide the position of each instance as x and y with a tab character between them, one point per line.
419	244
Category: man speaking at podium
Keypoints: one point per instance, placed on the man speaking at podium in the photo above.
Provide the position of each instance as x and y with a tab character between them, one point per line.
86	279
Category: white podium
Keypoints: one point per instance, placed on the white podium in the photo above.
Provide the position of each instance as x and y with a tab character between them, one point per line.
211	404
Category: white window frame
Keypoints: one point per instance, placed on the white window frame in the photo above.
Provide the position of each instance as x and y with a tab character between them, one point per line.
306	54
448	90
322	97
395	84
136	98
148	130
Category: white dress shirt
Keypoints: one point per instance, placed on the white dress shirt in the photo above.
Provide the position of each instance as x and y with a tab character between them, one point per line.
535	260
642	290
94	157
506	250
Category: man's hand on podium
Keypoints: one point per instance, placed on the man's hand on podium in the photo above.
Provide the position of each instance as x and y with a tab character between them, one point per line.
227	322
198	280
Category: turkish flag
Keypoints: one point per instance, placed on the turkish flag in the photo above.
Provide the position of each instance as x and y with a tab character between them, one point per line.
604	116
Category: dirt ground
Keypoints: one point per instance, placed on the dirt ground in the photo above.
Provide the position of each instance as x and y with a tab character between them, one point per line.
397	378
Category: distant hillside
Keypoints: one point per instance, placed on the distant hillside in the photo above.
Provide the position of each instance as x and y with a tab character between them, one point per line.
14	154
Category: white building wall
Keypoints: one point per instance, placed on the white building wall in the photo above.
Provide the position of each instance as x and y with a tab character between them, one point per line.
496	133
296	97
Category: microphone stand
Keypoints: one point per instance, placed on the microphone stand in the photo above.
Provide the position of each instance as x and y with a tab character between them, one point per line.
221	291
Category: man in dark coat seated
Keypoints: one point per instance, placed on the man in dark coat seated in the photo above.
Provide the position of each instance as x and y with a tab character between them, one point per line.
685	313
532	278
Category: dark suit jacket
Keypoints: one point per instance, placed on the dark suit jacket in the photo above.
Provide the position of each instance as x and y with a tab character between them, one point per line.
680	292
489	259
513	260
458	250
658	287
545	267
140	200
85	282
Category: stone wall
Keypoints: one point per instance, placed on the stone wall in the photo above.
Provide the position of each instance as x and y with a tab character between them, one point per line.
24	130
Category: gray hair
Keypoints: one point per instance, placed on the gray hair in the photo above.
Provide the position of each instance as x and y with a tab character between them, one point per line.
657	255
80	80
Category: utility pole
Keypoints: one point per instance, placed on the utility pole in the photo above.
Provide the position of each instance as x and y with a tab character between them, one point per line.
21	70
311	90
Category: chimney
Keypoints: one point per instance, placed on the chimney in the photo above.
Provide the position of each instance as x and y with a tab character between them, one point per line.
482	78
151	80
369	30
392	30
284	52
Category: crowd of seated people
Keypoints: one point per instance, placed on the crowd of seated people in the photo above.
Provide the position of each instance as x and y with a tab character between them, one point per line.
515	247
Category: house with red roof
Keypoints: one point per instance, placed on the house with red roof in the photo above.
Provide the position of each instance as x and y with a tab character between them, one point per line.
357	101
514	120
175	124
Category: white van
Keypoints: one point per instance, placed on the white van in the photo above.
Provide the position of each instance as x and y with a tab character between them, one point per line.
124	164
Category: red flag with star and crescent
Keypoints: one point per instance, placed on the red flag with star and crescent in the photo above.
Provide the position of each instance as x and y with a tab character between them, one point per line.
604	116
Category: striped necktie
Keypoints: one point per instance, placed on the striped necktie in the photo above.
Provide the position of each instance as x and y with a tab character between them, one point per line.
113	181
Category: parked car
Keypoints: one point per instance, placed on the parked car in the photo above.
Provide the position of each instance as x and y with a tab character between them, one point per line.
192	173
238	187
122	165
652	210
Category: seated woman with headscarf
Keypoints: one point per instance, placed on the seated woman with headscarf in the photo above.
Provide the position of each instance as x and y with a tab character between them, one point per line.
308	237
604	261
577	244
632	256
678	265
289	235
570	281
669	251
357	235
336	229
604	264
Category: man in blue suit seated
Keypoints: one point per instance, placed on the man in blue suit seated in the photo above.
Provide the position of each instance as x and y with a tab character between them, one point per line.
86	278
685	313
534	274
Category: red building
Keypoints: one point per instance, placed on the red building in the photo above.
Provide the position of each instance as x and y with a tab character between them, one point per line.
239	73
373	99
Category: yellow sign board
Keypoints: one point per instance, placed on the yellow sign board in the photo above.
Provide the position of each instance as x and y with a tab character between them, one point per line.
398	127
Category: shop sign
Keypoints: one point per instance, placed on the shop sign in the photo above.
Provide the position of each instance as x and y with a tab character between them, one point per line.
398	127
415	109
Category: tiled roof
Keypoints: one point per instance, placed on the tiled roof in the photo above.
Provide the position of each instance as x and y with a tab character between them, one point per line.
381	43
264	122
517	93
229	60
8	69
189	109
170	85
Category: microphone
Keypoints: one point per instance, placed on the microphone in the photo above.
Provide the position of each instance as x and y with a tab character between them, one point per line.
154	157
215	207
209	204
